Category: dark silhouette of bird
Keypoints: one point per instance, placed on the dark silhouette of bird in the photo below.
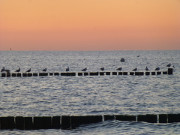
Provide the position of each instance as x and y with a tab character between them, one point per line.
157	69
3	69
120	68
122	60
85	69
169	65
134	69
44	70
29	70
67	69
146	69
102	69
18	70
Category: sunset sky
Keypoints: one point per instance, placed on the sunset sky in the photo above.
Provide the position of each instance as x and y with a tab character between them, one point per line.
90	25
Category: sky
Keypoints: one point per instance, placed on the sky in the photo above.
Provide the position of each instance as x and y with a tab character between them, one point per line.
87	25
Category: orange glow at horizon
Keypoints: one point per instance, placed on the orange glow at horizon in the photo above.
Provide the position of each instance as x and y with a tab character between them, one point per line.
90	24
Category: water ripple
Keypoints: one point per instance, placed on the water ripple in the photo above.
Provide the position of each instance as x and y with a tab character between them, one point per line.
56	95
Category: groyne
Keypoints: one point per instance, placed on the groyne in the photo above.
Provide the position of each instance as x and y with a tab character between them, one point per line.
71	122
27	74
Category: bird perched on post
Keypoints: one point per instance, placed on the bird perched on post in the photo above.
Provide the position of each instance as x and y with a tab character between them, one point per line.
157	69
18	70
169	65
146	69
44	70
120	68
3	69
29	70
134	69
85	69
67	69
102	69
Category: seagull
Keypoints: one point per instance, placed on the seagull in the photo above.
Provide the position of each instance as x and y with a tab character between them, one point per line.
134	69
146	69
67	69
44	70
3	69
29	70
120	68
18	70
85	69
102	69
157	69
168	65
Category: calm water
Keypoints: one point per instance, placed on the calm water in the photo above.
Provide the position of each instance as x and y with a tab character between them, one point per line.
49	96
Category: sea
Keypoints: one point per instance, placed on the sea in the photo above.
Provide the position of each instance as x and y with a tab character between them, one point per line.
92	95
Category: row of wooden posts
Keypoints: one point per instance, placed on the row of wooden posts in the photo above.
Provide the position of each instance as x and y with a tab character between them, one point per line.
168	72
71	122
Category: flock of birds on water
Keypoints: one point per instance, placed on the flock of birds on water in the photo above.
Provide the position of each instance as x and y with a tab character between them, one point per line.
85	69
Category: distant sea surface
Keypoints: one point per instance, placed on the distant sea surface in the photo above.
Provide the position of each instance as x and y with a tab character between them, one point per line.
91	95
